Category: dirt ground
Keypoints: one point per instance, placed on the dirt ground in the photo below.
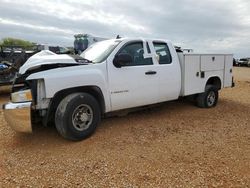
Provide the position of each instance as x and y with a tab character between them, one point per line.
174	145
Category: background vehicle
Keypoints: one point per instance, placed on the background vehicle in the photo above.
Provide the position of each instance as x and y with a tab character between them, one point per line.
112	75
244	62
83	41
13	57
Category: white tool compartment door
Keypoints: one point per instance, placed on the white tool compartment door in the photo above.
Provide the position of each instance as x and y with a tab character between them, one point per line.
212	62
192	81
228	71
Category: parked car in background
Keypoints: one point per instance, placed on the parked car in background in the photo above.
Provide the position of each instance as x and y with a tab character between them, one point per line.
244	62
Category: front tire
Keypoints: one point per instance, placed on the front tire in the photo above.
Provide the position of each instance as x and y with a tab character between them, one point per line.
77	116
209	98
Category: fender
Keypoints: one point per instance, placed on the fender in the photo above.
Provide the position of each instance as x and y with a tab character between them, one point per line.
214	80
54	102
59	79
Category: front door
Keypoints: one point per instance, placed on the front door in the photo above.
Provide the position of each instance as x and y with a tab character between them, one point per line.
136	83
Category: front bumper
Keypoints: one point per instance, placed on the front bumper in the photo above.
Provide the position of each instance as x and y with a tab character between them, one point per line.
18	116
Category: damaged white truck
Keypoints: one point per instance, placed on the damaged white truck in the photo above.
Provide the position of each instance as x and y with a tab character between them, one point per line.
75	92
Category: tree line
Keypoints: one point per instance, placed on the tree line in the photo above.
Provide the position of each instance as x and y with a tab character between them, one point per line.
16	42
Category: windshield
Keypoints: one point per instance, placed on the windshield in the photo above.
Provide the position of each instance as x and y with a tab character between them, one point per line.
99	51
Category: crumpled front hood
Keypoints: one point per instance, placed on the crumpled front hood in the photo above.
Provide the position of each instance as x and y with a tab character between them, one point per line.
45	57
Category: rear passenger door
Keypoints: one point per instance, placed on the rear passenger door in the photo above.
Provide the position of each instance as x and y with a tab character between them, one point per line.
168	71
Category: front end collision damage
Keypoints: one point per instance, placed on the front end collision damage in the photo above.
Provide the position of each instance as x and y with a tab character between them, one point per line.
39	78
18	114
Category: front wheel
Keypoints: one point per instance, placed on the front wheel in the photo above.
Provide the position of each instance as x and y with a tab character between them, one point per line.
77	116
209	98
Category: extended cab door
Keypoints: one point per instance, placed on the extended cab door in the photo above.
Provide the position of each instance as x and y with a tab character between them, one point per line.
136	83
168	70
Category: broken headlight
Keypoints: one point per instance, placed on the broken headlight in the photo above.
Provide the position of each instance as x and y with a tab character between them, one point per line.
21	96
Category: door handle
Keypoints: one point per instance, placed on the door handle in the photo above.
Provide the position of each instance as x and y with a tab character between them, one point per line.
150	72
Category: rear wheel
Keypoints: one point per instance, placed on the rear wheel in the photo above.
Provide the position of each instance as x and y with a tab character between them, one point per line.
209	98
77	116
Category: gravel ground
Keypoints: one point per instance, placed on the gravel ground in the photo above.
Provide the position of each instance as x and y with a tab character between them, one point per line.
173	145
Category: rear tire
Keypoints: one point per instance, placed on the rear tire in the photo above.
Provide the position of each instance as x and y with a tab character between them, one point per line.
77	116
209	98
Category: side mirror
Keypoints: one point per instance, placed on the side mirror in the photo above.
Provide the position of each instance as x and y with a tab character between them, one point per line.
122	60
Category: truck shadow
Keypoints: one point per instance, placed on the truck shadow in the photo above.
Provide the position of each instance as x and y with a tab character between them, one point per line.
40	136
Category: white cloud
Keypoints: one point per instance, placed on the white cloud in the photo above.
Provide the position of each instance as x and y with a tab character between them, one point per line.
36	27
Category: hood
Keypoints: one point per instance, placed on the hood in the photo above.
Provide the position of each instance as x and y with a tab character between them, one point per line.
47	58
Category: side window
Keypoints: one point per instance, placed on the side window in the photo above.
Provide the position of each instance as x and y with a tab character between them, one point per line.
163	52
135	50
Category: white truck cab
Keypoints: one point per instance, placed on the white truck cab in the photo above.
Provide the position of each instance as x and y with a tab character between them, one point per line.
74	92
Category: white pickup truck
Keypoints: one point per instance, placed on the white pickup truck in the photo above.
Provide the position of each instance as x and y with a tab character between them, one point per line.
74	92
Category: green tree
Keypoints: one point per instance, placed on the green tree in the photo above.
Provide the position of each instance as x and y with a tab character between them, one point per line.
16	42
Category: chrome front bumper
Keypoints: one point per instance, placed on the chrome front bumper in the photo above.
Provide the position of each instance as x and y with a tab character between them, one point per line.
18	116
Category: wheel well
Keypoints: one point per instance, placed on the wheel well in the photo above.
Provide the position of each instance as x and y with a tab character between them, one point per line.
215	81
92	90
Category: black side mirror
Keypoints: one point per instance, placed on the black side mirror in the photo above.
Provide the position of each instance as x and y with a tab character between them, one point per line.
122	60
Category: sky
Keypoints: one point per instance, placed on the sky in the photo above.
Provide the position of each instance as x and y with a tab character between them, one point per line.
209	26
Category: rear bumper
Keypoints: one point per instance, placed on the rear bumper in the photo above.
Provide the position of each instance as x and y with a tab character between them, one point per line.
18	116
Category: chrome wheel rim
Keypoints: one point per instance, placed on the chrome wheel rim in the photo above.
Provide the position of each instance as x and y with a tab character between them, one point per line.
211	98
82	117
